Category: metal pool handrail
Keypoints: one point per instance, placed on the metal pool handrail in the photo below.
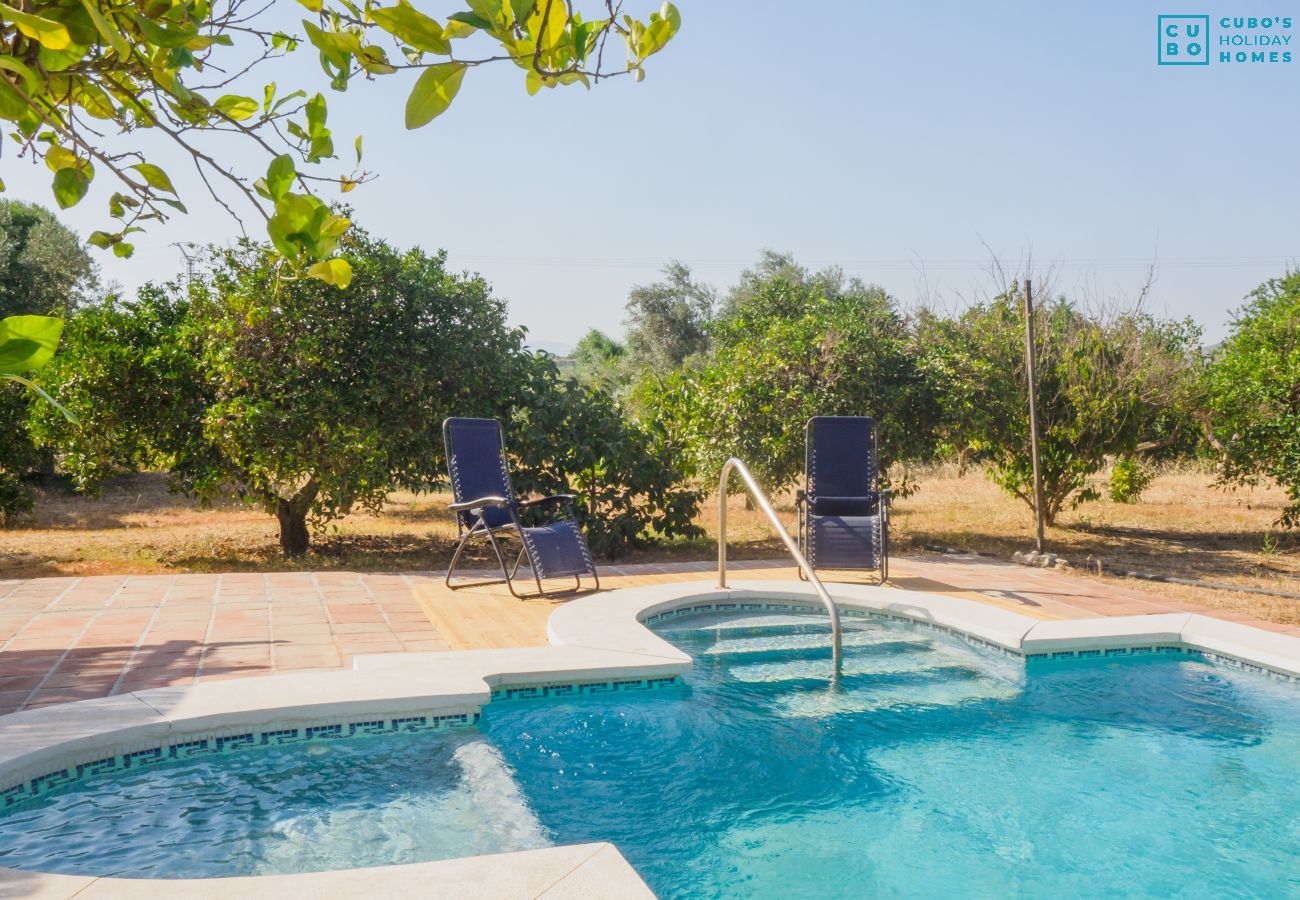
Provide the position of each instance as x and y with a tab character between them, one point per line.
765	505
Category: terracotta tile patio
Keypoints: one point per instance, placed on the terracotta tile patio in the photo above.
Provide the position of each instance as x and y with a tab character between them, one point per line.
65	639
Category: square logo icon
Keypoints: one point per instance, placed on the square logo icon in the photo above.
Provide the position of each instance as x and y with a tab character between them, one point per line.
1184	40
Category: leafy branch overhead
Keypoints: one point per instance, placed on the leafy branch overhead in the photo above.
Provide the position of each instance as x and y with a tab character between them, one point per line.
80	78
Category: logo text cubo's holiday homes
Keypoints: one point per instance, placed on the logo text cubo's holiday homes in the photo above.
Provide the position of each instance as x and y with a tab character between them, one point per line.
1198	40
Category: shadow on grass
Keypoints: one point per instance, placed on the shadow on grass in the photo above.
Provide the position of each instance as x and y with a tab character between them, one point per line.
1182	553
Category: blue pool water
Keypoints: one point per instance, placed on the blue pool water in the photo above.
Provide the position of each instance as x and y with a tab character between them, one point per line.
932	770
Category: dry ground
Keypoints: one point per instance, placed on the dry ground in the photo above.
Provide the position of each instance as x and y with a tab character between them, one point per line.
1183	526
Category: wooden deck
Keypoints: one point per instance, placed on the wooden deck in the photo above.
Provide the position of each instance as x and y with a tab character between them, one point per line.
481	617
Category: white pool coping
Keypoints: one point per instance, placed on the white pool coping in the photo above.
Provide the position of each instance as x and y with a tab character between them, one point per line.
598	639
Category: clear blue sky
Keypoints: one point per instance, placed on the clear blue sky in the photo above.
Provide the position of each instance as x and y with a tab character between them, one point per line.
895	139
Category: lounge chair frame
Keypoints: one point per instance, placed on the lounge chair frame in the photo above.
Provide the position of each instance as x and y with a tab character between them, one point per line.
472	522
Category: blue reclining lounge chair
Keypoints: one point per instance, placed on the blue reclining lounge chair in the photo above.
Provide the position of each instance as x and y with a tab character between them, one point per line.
843	513
486	506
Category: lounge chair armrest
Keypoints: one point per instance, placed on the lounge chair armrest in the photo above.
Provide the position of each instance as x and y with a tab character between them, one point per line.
553	498
480	503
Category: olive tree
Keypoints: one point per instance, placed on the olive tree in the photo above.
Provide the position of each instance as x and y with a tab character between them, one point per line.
668	320
1253	392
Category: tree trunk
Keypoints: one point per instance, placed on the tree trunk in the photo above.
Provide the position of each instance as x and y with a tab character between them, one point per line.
292	513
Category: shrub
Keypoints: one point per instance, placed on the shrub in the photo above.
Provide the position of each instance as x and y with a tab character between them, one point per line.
573	439
1129	479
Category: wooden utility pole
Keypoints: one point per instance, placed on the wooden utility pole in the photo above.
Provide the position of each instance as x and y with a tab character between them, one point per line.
1032	373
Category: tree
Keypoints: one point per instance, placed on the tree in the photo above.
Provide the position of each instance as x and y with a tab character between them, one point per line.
668	320
790	352
1104	386
131	371
598	361
1253	392
772	265
44	267
317	400
79	80
310	401
44	271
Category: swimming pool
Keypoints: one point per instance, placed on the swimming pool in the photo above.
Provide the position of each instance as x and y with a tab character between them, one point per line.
932	768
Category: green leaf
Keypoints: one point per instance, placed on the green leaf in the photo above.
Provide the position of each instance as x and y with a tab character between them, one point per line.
27	343
123	250
337	272
669	12
521	8
70	185
57	158
236	107
40	393
154	177
467	19
95	100
279	176
45	32
105	29
358	149
335	46
59	60
456	29
101	239
433	93
30	80
12	105
409	25
487	10
162	37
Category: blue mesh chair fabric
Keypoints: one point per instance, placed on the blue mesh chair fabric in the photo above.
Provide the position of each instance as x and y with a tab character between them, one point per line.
480	471
843	512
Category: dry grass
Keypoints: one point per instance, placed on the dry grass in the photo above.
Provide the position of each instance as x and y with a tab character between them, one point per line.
1183	526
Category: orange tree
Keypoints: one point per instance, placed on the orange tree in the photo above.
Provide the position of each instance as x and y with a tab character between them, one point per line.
791	348
1254	392
82	80
315	400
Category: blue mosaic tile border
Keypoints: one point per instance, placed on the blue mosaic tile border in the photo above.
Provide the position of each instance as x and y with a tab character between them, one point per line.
195	747
850	612
846	612
1231	662
586	688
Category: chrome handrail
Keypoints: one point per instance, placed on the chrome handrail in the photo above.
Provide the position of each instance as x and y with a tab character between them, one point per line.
765	505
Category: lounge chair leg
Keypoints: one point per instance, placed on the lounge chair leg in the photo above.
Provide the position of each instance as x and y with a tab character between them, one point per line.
518	560
496	549
455	557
